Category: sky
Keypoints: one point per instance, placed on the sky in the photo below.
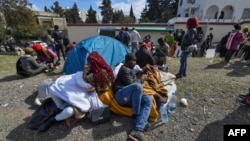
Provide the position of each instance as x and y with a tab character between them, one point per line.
124	5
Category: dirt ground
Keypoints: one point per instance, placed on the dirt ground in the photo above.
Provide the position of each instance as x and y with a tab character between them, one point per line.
210	88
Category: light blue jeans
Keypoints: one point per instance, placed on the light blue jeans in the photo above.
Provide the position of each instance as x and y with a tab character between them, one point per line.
134	47
132	95
183	62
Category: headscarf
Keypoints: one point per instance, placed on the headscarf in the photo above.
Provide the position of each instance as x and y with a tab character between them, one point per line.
192	22
97	64
37	47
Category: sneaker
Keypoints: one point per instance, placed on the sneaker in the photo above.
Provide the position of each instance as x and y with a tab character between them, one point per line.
241	101
227	65
137	136
243	95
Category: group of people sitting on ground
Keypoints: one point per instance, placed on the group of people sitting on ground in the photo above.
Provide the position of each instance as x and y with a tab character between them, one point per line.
126	92
46	60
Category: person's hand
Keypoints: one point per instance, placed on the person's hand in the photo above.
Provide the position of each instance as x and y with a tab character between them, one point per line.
91	90
86	66
144	77
156	68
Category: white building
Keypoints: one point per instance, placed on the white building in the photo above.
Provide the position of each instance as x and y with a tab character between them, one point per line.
215	16
205	10
83	15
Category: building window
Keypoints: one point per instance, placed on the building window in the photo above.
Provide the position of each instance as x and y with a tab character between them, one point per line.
246	13
192	11
191	1
181	2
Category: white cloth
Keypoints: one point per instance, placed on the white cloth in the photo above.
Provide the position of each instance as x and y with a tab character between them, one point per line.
73	90
177	52
135	36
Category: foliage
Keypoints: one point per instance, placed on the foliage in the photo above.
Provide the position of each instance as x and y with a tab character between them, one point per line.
17	20
144	15
159	10
131	14
91	16
74	13
118	16
106	11
57	9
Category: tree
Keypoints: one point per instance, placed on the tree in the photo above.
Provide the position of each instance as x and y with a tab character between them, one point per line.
57	9
17	20
159	10
46	9
21	22
91	16
144	16
106	11
131	13
75	14
118	17
153	12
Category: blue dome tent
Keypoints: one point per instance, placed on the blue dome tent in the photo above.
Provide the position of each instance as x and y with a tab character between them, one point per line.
112	50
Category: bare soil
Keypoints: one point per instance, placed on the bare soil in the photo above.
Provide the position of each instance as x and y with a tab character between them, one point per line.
210	88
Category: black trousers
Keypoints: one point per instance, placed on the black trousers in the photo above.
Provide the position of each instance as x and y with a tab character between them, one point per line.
59	48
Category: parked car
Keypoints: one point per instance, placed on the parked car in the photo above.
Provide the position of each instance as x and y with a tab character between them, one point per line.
31	43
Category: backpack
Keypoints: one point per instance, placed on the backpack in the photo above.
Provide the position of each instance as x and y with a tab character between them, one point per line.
20	70
58	35
126	37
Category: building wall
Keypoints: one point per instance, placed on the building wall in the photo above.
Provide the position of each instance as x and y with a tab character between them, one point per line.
219	29
202	9
79	32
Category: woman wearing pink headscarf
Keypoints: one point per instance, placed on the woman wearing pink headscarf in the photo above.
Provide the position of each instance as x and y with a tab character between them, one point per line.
188	39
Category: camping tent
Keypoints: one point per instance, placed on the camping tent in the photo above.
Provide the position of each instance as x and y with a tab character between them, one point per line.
112	50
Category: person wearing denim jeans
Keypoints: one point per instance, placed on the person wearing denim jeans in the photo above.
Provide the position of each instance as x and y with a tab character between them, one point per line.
128	91
183	62
188	39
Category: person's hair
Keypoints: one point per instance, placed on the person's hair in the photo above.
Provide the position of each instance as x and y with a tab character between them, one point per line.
192	22
160	40
237	27
56	27
97	64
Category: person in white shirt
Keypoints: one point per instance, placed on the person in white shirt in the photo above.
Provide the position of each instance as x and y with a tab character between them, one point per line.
135	38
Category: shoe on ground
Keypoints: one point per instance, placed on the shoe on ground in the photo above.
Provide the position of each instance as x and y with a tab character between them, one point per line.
178	76
184	74
243	101
137	136
227	65
47	124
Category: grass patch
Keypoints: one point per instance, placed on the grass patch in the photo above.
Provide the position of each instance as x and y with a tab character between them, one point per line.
8	64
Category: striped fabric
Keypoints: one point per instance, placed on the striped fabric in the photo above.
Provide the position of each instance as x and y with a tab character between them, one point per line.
234	40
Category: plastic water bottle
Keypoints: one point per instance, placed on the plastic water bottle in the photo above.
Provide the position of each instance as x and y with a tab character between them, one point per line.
164	113
172	104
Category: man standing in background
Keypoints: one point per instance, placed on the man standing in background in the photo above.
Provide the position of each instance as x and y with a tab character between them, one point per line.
58	36
135	38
